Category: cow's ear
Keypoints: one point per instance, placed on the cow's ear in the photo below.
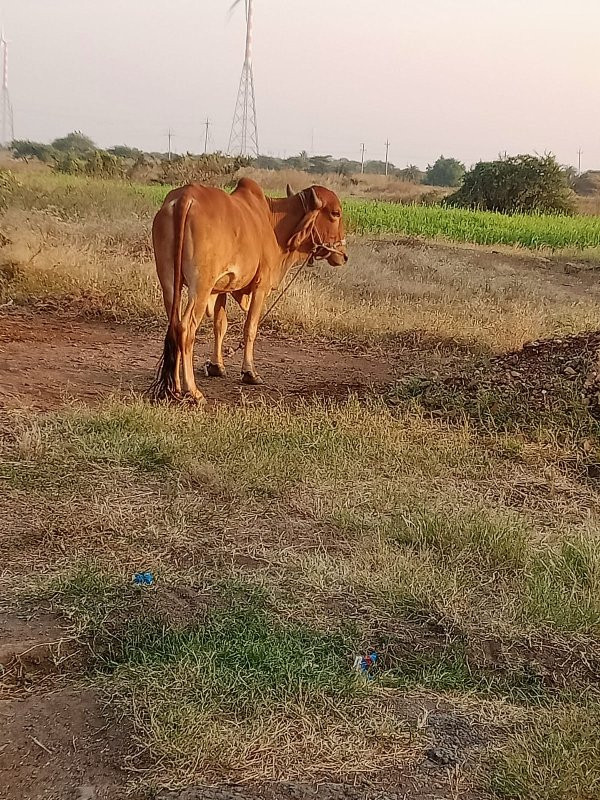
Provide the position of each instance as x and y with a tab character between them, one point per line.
289	191
302	233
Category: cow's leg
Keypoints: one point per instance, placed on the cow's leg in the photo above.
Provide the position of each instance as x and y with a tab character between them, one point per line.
216	367
250	330
167	290
194	312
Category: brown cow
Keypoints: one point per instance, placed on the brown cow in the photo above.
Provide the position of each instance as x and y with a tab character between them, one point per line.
241	244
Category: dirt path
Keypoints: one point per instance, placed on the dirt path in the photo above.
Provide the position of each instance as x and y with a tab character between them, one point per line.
46	362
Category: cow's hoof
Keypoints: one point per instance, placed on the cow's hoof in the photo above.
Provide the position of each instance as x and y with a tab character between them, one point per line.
251	378
215	370
194	399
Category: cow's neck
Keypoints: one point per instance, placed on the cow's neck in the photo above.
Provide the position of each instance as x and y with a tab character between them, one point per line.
286	215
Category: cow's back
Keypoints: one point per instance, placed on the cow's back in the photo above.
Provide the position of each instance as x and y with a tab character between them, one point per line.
228	227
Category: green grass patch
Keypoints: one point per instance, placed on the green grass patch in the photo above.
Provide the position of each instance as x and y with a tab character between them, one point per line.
238	692
556	757
450	670
495	543
563	586
241	660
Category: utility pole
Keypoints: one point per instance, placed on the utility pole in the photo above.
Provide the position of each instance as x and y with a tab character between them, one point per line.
387	153
579	154
362	158
206	124
170	135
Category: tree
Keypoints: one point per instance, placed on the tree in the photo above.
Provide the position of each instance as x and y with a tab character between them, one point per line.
588	184
570	174
376	167
268	162
75	142
24	148
412	174
124	151
318	165
346	167
445	172
518	184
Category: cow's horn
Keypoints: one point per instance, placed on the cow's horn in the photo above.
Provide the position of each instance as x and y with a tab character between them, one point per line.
317	202
289	191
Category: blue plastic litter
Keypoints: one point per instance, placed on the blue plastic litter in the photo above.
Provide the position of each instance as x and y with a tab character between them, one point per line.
143	579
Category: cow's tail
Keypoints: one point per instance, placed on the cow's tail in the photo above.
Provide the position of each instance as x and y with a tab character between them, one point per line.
164	386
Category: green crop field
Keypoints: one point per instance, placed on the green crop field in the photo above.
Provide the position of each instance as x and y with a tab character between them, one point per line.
480	227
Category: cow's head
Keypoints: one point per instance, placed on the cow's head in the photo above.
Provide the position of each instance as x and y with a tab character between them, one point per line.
321	228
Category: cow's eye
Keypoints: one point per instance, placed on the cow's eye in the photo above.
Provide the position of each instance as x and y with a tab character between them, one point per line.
336	214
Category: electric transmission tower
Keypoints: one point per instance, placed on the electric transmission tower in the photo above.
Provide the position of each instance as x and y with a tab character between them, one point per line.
8	131
243	139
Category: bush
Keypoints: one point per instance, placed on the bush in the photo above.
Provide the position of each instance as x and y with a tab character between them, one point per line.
26	149
588	184
215	169
69	164
75	142
522	184
411	173
101	164
445	172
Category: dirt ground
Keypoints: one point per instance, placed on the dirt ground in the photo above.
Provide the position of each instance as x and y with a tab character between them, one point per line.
46	362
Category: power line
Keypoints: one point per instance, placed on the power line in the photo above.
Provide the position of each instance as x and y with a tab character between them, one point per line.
362	158
387	153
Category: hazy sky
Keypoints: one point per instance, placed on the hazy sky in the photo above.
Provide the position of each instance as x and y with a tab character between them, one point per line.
467	78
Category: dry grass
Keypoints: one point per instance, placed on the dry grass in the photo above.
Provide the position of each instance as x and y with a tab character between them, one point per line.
488	302
588	205
387	291
374	187
466	554
554	757
343	527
